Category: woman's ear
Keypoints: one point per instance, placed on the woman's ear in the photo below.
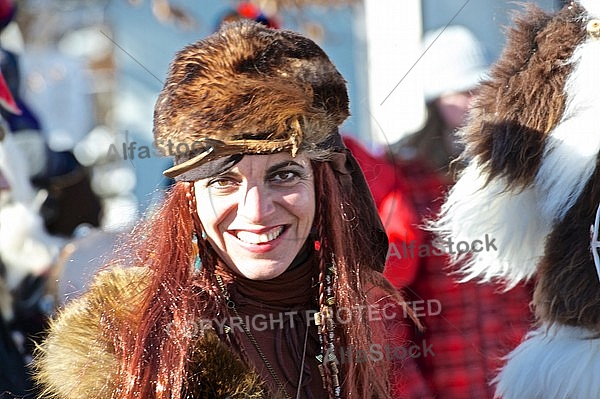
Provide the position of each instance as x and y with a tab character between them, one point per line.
193	209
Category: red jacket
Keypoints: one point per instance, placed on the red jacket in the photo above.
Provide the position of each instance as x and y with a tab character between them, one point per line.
397	214
469	326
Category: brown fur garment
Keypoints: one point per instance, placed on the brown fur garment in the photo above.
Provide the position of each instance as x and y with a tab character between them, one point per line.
77	361
250	82
216	372
568	267
523	100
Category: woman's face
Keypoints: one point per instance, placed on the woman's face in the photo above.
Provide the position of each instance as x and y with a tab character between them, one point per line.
258	214
454	108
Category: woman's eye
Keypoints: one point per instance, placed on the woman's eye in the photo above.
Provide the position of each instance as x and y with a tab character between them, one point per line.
286	176
222	183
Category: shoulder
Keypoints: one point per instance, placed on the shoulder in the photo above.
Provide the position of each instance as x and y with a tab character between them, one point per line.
77	359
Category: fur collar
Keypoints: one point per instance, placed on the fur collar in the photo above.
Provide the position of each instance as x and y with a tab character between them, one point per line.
77	360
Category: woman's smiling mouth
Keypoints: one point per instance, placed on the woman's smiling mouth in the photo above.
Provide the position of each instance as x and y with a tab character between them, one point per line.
249	237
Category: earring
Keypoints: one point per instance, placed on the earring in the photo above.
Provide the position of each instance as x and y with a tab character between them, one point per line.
203	234
315	239
317	244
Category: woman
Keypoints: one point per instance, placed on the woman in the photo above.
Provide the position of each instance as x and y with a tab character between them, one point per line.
263	265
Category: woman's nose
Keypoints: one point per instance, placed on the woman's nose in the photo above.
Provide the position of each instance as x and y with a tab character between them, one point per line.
256	203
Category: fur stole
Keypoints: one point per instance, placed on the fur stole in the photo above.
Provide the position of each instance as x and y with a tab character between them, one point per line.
77	361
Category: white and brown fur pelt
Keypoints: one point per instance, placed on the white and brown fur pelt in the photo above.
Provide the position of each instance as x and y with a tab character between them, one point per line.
532	182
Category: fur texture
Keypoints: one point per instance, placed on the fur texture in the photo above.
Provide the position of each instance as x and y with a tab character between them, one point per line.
524	98
267	82
567	290
537	368
77	361
515	117
533	183
476	208
571	151
216	372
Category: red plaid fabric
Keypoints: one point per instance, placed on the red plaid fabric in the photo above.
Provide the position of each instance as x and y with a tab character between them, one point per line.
478	323
470	326
395	209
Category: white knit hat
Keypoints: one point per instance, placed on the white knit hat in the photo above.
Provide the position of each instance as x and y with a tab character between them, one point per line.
453	61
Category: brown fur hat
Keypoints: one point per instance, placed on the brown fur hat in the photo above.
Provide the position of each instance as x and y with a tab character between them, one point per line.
248	82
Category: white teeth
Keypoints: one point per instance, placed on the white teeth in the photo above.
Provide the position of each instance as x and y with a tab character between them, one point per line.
253	238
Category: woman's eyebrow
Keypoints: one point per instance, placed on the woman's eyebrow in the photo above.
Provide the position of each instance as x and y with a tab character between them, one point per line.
283	164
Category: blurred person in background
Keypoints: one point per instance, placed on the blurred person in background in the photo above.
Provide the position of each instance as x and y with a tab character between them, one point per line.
401	225
478	323
452	65
60	194
27	255
70	200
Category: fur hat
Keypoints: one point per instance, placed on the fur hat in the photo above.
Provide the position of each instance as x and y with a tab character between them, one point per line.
533	184
248	89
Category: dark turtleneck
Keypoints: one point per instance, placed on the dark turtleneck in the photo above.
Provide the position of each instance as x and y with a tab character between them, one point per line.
275	311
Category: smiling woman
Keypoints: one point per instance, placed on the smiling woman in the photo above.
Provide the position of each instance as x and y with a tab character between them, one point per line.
270	219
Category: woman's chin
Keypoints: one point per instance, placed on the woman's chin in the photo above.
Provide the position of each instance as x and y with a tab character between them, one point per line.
261	270
263	276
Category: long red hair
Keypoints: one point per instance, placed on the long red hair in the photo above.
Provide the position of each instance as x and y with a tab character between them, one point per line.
152	359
